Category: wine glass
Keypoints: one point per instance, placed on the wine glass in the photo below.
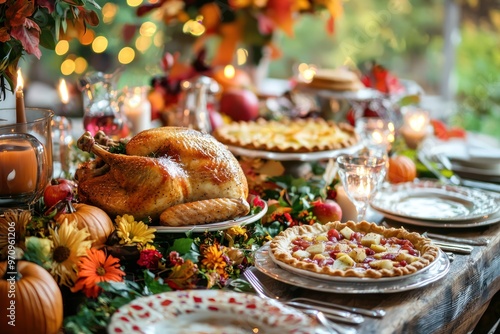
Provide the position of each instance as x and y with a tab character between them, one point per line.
361	176
375	133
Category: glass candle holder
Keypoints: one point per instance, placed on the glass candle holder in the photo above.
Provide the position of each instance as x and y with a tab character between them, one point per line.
375	133
25	157
361	176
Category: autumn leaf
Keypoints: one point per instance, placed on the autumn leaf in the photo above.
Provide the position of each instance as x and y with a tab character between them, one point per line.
281	12
4	34
29	36
17	13
183	276
49	4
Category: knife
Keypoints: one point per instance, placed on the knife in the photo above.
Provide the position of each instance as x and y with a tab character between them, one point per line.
474	242
455	248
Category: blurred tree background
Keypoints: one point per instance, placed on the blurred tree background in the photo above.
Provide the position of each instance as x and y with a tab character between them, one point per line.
406	36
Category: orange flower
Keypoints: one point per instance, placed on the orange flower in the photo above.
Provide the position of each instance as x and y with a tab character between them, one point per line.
95	268
213	260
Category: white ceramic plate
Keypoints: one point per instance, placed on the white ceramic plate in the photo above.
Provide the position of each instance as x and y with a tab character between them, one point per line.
209	312
431	200
437	270
214	226
280	156
323	277
492	219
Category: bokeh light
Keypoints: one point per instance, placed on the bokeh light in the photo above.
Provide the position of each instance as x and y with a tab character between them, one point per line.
147	29
142	43
68	67
126	55
80	65
62	47
109	11
134	3
100	44
88	37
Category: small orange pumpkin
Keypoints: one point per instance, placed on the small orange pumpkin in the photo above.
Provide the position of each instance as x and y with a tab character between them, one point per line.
96	220
401	169
31	300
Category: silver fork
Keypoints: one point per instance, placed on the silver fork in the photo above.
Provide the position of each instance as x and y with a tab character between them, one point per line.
376	313
332	314
320	315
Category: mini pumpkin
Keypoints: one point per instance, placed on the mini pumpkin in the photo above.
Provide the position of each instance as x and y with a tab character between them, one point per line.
98	223
401	169
31	300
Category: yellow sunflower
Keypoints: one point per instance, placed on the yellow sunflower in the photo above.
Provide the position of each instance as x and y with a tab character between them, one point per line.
213	260
69	244
13	226
132	232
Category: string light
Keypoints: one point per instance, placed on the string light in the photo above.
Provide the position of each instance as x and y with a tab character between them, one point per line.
100	44
126	55
62	47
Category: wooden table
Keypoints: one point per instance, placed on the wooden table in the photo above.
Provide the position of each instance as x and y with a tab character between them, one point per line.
453	304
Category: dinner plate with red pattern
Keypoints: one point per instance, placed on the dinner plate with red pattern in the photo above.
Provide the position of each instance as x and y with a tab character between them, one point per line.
210	312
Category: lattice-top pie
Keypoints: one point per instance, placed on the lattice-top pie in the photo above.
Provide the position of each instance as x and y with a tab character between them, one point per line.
350	249
290	135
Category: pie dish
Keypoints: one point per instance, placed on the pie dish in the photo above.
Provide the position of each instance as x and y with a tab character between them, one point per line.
362	250
289	135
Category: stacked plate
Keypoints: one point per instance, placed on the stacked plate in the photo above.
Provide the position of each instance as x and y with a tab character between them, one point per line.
432	204
477	157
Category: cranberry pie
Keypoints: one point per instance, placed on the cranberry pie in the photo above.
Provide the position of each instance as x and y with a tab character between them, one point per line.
363	250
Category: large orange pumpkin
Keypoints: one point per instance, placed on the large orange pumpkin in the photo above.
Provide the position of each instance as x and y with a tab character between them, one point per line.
401	169
32	301
96	220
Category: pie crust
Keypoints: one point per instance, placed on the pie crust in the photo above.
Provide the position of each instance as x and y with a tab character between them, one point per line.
289	135
405	252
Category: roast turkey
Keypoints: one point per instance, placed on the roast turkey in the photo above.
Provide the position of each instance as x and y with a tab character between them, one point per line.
177	175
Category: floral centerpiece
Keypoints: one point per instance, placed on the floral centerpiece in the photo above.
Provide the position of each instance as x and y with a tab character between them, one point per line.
25	25
97	276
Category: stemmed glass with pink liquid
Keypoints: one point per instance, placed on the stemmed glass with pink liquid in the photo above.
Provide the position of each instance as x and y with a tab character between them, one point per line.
361	176
101	112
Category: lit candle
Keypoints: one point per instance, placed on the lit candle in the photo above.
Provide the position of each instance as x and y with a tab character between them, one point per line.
18	168
414	130
349	211
229	77
20	111
64	95
137	109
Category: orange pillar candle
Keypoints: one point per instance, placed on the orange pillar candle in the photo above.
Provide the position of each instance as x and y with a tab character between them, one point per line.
18	168
20	111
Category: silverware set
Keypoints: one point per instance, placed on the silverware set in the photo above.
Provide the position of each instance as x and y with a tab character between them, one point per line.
331	311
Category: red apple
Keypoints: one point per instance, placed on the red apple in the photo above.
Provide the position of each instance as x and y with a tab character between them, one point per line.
327	211
56	191
239	104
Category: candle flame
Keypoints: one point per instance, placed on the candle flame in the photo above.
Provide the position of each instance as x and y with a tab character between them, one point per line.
229	71
63	91
20	81
417	122
136	98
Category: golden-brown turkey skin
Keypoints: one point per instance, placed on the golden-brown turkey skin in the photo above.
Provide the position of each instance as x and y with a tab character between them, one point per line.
166	168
